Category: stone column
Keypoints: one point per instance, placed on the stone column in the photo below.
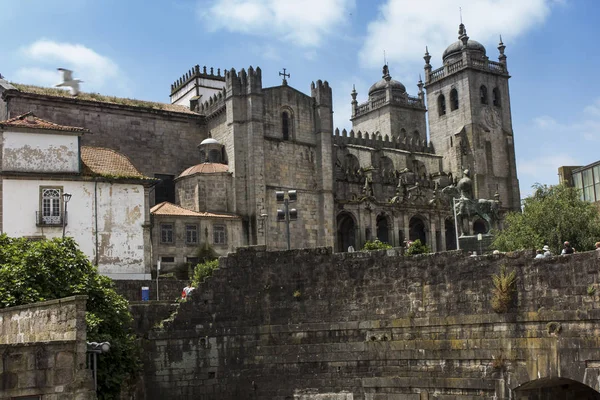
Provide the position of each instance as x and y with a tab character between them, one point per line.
432	234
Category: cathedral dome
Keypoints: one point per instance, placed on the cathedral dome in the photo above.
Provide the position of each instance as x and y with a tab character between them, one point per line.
456	47
209	141
205	168
380	86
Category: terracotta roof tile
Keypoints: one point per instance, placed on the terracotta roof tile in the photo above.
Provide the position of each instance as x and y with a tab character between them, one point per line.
29	120
166	208
205	168
96	97
107	162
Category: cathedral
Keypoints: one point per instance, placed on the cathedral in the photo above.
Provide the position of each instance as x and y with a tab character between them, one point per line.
225	145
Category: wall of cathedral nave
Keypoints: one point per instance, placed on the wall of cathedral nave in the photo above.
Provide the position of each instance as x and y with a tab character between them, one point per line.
396	122
288	115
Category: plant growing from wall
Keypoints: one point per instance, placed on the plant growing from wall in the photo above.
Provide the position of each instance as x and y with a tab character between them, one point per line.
32	271
417	247
591	290
376	245
203	271
504	287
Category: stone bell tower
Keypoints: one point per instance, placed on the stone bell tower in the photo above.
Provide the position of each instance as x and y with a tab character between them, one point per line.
470	121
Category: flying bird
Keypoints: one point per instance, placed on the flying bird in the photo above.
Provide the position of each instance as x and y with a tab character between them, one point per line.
68	81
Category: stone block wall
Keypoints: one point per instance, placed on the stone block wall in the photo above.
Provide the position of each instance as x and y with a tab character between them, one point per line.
313	325
170	289
43	348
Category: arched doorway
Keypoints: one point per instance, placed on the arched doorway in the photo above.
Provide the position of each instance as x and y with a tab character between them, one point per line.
479	226
346	229
383	229
450	234
416	227
555	389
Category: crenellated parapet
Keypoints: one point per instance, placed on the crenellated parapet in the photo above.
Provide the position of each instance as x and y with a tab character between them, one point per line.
377	141
213	105
243	82
195	73
321	92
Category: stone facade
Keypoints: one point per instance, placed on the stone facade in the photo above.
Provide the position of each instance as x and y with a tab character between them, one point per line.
43	347
309	324
383	179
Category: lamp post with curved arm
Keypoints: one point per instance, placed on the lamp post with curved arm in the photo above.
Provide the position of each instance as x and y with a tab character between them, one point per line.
66	197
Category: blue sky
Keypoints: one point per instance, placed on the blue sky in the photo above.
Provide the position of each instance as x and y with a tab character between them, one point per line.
138	48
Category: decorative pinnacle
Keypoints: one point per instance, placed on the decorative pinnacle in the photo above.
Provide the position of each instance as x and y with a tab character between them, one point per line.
427	57
353	94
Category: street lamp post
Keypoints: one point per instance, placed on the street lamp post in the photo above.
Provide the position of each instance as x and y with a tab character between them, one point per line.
287	214
66	198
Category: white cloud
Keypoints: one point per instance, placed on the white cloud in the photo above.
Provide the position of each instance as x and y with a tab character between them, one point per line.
552	143
98	72
403	28
301	22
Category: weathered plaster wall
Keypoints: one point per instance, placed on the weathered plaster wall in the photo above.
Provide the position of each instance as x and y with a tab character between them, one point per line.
118	223
43	348
35	152
379	326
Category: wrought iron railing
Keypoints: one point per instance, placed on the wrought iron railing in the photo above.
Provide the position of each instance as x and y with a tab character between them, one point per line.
50	220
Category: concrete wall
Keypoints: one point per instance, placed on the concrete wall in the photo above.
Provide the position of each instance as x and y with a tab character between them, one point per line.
378	326
43	347
35	152
115	235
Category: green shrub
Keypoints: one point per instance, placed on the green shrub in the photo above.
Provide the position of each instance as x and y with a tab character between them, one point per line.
376	245
504	287
203	271
32	271
417	247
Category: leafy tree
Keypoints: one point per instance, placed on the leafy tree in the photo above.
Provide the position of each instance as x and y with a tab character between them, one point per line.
376	245
32	271
417	247
203	271
551	215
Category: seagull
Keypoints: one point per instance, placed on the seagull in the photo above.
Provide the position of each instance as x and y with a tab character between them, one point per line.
69	81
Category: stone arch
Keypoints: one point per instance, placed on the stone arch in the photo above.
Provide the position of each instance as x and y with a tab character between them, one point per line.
417	229
496	97
483	94
555	388
346	231
383	228
419	168
450	230
416	136
441	103
352	164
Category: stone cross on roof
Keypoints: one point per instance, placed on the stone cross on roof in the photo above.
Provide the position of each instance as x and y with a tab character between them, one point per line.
284	76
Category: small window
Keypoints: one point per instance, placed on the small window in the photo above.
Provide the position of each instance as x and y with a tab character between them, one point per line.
219	234
453	100
167	259
50	206
441	105
166	233
165	189
192	260
285	125
191	234
496	94
483	94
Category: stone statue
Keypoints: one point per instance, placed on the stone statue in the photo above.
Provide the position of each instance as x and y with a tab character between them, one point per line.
466	207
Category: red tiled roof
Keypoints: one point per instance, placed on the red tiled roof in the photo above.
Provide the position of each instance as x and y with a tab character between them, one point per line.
166	208
29	120
108	162
205	168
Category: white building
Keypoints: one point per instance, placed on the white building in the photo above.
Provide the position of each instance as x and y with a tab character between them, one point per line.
108	212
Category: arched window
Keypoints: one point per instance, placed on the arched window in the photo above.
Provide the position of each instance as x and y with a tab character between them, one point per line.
285	125
453	100
441	105
416	137
496	94
483	94
382	229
